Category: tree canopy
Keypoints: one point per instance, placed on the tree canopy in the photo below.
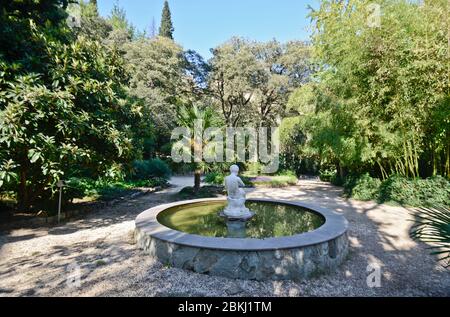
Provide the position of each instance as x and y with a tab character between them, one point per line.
85	95
380	98
251	81
64	106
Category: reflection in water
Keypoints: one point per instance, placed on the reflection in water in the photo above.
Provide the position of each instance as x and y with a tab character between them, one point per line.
271	220
236	229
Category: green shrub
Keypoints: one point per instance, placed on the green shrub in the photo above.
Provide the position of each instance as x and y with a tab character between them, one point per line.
415	192
214	178
337	180
143	170
152	182
79	188
410	192
327	175
286	173
204	192
253	168
217	178
433	191
105	190
362	188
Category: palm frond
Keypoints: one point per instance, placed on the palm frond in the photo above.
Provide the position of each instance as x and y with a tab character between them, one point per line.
432	225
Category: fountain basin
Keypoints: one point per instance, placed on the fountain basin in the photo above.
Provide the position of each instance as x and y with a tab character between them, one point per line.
296	256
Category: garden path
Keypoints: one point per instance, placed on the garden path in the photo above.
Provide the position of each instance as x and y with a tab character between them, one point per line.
42	261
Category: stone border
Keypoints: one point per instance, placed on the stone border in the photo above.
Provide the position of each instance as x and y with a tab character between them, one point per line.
84	209
292	257
335	225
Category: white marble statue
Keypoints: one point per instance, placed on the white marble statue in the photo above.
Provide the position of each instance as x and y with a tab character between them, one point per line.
235	196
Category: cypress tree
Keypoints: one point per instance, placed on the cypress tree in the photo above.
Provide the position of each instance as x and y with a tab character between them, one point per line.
166	29
95	5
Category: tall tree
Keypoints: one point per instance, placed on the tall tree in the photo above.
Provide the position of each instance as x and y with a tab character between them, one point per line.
380	99
156	68
94	3
118	20
250	81
91	24
166	29
64	108
187	116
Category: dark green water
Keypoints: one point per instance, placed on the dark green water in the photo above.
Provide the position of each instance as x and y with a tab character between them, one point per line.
271	220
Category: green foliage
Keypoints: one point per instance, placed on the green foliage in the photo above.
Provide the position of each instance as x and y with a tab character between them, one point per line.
118	21
327	174
104	189
379	101
157	76
166	29
295	154
405	191
287	179
64	110
363	187
433	226
282	180
91	24
433	191
144	170
415	192
253	168
251	81
202	192
215	178
19	48
188	116
286	173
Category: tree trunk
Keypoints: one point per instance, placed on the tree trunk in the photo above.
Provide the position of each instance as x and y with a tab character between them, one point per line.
22	195
339	170
197	175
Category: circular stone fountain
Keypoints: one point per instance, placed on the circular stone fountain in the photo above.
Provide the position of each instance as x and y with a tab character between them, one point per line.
284	240
270	240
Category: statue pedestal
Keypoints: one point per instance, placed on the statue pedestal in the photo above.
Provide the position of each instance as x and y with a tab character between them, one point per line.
236	229
244	217
236	210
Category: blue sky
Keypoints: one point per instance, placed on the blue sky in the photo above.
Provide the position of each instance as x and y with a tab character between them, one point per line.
203	24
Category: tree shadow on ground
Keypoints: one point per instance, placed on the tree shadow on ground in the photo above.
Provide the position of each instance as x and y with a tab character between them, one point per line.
378	234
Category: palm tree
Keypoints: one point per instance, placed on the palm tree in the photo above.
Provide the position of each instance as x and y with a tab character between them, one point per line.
433	225
186	117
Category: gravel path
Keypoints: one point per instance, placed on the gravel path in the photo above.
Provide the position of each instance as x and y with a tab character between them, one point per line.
100	249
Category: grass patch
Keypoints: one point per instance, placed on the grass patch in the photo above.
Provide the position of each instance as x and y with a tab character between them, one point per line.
100	263
252	180
274	181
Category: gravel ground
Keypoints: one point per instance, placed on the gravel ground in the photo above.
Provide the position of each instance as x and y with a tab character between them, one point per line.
100	249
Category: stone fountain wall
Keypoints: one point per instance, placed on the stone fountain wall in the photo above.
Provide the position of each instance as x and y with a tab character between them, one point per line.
293	263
